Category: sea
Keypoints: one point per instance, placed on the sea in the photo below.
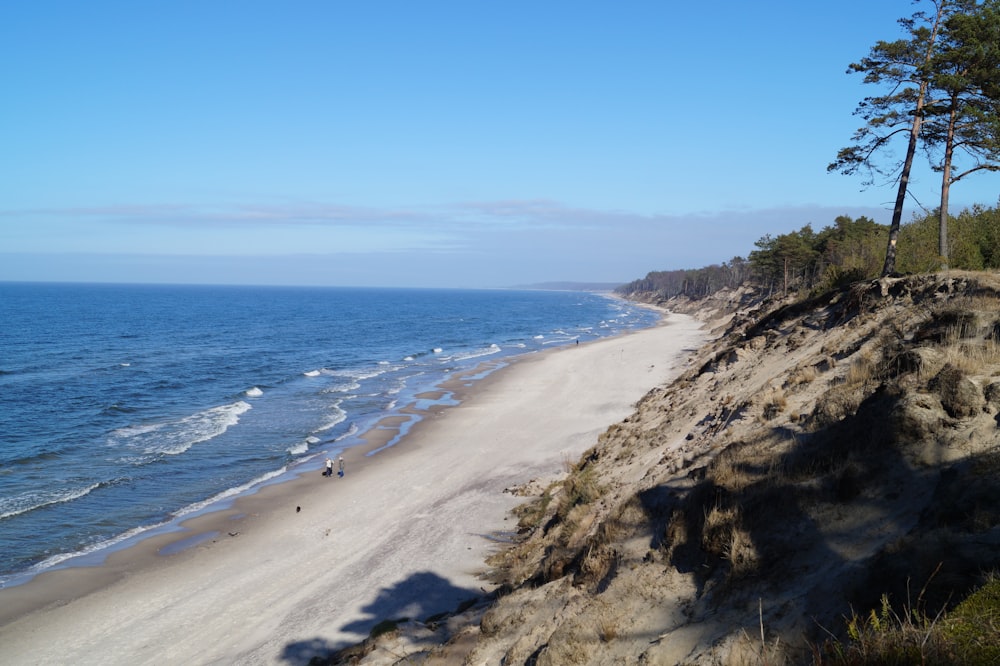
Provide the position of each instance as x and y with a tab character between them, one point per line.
125	409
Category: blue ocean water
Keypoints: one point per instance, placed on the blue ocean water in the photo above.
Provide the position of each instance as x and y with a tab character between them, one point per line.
125	407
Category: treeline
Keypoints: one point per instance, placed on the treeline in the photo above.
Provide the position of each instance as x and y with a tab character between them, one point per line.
847	251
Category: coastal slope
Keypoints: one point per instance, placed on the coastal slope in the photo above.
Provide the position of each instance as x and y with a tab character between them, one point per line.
822	457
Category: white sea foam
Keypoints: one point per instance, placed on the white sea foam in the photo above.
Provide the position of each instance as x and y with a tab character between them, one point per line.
298	449
177	436
351	431
36	499
486	351
136	430
254	392
342	388
337	416
231	492
312	373
55	560
355	376
400	383
438	350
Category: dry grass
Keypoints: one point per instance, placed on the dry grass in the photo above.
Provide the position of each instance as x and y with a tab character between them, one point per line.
975	357
623	523
977	302
966	329
514	565
608	623
865	370
862	371
774	404
758	650
740	553
598	565
531	514
801	376
724	536
520	562
607	630
580	487
750	463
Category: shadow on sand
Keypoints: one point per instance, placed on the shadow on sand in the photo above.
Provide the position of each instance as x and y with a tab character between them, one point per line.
928	529
418	597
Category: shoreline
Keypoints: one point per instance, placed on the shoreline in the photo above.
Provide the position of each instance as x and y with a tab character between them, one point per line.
309	564
89	572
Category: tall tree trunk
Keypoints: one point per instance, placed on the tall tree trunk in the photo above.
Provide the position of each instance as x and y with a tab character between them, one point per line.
889	267
949	151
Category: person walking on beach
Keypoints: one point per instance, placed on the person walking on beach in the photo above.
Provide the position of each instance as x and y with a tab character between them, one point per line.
329	468
340	465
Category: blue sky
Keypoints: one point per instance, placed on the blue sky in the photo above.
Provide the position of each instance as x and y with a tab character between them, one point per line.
425	143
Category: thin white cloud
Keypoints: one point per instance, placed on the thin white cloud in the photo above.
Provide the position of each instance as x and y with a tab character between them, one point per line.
223	214
479	242
505	215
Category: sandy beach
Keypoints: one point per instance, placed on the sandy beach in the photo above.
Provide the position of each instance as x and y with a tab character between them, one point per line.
310	565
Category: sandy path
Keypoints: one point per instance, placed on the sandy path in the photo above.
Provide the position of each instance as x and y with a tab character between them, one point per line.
402	535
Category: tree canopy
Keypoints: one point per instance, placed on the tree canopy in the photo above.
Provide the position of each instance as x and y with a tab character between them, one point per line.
939	90
846	251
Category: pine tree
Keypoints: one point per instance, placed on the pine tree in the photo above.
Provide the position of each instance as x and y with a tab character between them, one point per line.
904	66
964	120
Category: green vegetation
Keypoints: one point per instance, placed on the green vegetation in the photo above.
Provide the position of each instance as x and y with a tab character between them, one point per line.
849	250
973	628
969	634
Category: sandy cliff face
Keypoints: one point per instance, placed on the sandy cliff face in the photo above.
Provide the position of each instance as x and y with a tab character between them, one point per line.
814	457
